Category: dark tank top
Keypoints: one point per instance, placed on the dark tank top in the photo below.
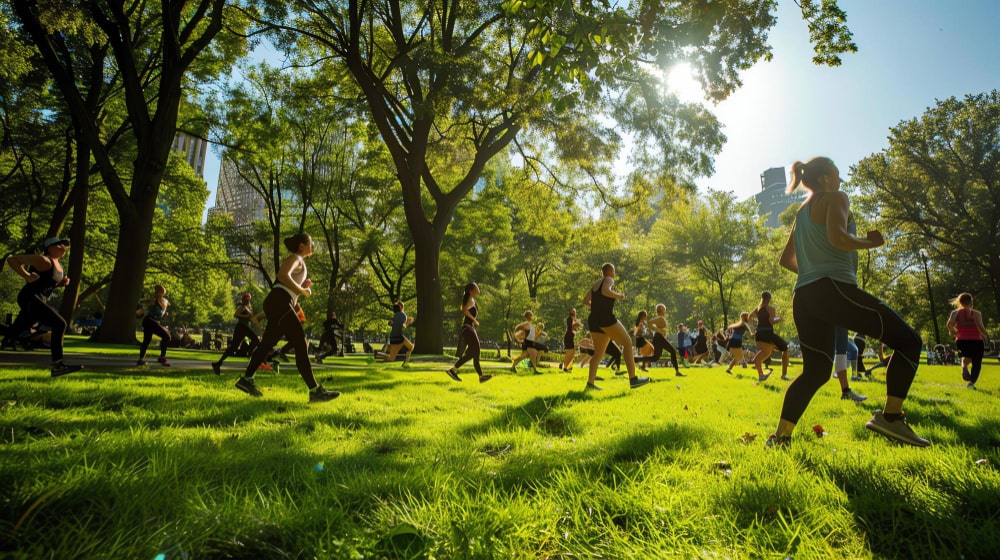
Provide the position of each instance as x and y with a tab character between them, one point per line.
764	320
474	311
47	281
602	309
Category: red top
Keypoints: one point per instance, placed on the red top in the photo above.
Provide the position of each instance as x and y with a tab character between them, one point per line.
966	325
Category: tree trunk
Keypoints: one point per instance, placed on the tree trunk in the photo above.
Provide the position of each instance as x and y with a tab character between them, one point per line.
429	323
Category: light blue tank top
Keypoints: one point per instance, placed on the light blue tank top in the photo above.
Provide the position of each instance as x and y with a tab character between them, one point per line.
816	257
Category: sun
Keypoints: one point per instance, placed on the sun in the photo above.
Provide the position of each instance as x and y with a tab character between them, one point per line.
680	80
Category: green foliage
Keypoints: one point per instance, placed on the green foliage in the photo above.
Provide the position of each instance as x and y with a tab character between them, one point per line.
180	463
936	187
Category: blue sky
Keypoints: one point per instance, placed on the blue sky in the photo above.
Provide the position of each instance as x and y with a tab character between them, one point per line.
910	53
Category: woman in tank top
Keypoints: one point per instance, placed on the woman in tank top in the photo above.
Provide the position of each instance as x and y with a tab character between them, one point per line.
821	251
468	339
605	328
966	325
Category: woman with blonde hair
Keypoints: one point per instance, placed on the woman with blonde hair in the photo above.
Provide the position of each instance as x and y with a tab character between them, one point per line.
966	325
767	340
823	253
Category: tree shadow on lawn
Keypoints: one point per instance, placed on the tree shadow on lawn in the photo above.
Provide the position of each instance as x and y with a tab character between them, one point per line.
979	431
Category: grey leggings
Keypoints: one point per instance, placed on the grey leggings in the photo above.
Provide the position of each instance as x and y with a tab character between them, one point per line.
822	305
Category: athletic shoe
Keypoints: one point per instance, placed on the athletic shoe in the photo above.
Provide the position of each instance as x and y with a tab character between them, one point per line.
217	368
248	386
971	386
319	394
637	382
783	377
163	361
850	395
141	363
679	374
762	378
61	369
592	387
729	371
775	442
895	429
264	367
485	378
453	374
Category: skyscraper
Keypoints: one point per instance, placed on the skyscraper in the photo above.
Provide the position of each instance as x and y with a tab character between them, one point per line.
772	200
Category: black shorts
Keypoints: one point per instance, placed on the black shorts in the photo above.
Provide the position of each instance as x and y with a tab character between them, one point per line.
569	341
773	339
587	351
395	341
734	343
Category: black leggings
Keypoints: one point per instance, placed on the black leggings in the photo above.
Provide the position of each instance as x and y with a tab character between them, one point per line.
282	321
660	343
149	328
468	341
35	309
822	305
860	343
973	350
240	333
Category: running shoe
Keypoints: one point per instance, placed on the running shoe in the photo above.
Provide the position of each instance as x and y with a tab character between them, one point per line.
248	386
897	429
637	382
141	363
971	386
319	394
485	378
592	387
217	368
776	442
163	361
850	395
679	374
762	378
264	367
453	374
60	369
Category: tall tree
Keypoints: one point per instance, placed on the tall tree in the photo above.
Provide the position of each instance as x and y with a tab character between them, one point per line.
154	45
937	186
450	84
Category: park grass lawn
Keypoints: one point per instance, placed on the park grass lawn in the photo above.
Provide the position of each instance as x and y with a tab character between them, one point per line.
160	463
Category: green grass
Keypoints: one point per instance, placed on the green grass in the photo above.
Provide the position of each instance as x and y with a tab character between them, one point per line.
175	463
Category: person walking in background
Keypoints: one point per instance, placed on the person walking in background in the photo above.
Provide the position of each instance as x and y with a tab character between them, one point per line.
734	345
331	331
823	254
44	274
767	340
966	325
684	344
152	324
281	310
605	328
244	317
569	340
397	341
845	352
468	340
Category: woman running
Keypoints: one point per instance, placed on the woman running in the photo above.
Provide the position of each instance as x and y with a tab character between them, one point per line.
44	274
468	340
152	324
642	343
605	328
281	309
700	344
737	330
244	317
767	340
569	340
966	325
397	341
658	325
823	254
527	332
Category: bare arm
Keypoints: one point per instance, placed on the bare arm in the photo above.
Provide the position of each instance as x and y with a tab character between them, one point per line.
285	275
788	259
952	324
980	326
607	291
19	262
465	311
837	212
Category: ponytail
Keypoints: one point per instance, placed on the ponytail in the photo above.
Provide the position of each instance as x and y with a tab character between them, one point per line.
468	292
807	174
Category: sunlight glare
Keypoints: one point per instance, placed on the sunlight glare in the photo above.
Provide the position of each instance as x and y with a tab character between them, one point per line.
680	80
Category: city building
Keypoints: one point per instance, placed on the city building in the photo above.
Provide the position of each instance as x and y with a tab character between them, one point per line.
772	199
234	196
194	149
